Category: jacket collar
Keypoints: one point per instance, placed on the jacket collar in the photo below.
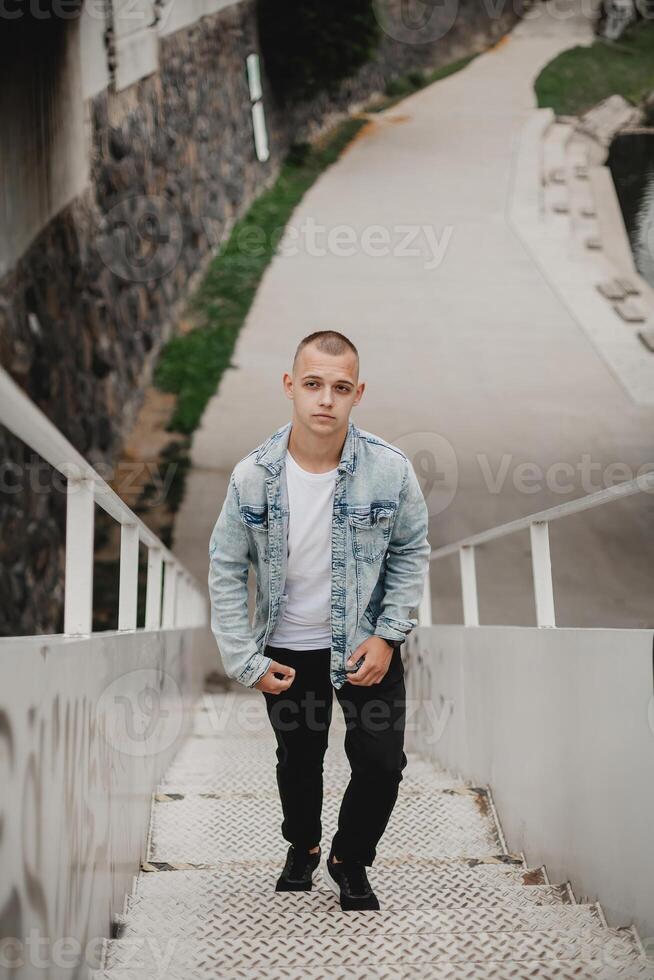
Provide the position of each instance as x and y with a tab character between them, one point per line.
273	452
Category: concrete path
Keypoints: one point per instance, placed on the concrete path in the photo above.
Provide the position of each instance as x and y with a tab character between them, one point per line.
473	363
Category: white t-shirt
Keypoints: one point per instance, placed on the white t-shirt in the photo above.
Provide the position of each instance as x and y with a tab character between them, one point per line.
305	619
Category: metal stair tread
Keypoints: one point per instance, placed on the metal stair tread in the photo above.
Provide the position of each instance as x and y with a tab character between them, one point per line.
269	864
410	890
175	915
228	951
234	778
471	970
198	829
262	872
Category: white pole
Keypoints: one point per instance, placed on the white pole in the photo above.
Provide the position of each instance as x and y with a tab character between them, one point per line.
542	571
78	596
424	609
129	569
181	605
170	583
153	590
469	585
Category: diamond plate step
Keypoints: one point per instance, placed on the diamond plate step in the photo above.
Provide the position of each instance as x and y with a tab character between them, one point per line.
174	915
230	777
206	830
450	874
493	970
408	887
245	716
513	863
227	953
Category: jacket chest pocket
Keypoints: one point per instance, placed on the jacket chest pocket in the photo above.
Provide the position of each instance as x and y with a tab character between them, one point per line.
370	528
255	518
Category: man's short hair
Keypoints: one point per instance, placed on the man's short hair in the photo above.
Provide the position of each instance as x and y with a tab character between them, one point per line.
329	342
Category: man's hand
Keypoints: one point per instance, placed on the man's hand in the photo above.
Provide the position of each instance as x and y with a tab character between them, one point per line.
272	684
377	655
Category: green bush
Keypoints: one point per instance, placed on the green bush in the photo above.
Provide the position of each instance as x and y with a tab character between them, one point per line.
310	46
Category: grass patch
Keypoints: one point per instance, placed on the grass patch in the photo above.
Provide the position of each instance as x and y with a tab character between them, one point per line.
192	365
582	76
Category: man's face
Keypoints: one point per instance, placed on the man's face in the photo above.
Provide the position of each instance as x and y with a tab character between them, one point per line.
323	388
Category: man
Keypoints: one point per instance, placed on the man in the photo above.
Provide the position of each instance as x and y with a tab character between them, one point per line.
335	523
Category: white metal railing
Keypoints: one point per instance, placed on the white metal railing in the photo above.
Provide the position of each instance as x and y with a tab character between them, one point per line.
538	525
184	602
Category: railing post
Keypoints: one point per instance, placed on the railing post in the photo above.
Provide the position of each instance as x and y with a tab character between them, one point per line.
180	598
170	587
78	593
469	585
84	489
129	573
424	609
201	610
542	571
153	590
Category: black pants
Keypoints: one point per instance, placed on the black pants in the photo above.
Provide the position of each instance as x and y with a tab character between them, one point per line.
375	718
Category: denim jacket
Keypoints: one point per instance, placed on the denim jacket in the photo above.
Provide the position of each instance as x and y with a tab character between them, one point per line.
380	551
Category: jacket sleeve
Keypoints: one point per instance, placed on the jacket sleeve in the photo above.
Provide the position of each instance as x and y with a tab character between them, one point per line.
228	592
407	561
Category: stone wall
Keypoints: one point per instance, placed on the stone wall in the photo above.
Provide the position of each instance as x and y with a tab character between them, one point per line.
87	308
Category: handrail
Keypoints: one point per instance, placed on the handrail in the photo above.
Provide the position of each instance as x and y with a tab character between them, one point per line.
184	602
538	525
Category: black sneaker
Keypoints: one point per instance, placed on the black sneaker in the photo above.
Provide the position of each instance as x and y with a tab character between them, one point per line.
298	871
350	882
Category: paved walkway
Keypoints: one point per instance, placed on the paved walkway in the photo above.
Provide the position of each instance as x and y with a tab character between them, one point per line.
454	903
473	361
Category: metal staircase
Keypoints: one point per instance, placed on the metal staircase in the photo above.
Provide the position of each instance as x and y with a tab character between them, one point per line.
455	903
